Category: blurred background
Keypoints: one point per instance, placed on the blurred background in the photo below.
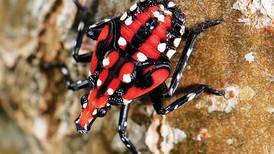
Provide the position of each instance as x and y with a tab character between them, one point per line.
37	113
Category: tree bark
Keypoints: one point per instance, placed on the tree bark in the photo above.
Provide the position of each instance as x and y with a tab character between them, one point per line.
36	32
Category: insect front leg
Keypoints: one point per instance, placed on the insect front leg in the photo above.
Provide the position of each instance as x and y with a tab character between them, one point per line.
80	34
80	84
187	51
122	129
92	32
193	93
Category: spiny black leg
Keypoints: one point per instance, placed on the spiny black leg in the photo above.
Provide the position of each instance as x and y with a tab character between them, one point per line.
93	32
183	61
79	5
195	92
80	34
80	84
122	129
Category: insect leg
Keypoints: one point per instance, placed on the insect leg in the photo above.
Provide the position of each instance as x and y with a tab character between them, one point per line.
92	32
187	51
80	84
122	129
80	34
194	93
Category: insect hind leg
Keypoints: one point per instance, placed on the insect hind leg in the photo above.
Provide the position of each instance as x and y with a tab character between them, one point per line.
193	93
80	34
192	35
80	84
91	32
165	91
122	129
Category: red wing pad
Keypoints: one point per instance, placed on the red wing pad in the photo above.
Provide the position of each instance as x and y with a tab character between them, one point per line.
126	71
113	86
102	77
96	102
111	59
159	76
103	35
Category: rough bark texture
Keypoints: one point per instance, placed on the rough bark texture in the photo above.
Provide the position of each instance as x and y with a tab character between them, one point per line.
41	111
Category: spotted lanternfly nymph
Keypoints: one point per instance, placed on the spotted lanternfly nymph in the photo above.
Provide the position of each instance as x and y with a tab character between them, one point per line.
132	58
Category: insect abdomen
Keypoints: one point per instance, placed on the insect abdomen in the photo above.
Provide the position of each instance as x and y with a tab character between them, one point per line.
149	32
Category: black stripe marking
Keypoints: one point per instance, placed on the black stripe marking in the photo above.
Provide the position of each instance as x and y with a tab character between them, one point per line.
142	35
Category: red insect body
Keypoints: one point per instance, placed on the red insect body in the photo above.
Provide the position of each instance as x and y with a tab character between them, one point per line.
116	71
132	58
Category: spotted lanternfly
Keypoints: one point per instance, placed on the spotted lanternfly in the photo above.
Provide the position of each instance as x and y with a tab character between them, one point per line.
132	58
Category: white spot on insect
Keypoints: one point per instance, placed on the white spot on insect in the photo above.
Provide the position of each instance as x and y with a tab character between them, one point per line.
94	112
122	41
125	124
162	7
107	20
77	121
133	7
85	105
171	4
119	128
170	53
161	47
90	120
250	57
185	64
108	104
191	96
179	76
182	30
156	14
168	12
127	78
189	51
106	61
167	112
176	107
129	21
99	83
79	82
126	101
124	16
171	91
86	127
161	18
128	145
123	139
81	26
142	0
177	42
141	57
110	91
89	73
64	71
92	26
